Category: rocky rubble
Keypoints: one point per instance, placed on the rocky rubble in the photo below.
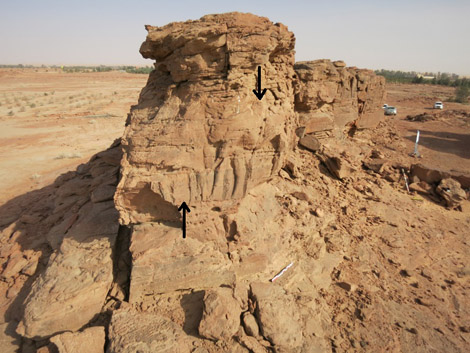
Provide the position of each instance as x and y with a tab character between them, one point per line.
106	254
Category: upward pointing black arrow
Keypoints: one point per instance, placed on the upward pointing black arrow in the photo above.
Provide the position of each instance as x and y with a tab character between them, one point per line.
259	94
185	208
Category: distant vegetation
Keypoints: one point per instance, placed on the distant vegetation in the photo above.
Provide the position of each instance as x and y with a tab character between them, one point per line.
101	68
397	76
462	85
443	79
462	93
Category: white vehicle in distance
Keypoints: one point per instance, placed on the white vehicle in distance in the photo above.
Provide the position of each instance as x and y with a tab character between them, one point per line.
390	111
438	105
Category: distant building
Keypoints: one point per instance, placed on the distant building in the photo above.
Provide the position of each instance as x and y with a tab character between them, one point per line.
425	77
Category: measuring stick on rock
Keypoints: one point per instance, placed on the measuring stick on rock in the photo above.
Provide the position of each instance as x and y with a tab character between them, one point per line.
282	272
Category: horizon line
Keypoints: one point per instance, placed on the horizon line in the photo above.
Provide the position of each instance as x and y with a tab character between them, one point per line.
152	64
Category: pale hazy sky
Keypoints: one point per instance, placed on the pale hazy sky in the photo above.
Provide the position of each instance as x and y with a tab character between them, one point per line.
419	35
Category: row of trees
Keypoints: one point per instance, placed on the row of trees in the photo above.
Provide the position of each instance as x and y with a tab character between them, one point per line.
444	79
462	85
101	68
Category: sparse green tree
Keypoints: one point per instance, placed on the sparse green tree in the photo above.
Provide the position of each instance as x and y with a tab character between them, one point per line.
462	93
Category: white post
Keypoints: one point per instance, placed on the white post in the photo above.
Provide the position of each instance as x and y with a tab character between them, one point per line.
416	153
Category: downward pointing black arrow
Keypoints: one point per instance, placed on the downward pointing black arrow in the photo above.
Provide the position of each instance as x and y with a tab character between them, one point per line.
185	208
259	94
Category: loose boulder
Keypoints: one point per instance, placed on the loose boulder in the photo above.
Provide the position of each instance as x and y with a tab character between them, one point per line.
451	192
221	316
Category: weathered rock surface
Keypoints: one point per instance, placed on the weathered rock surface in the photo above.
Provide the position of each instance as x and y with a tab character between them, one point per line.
131	331
330	95
451	192
221	316
310	142
90	340
199	133
278	315
162	261
72	289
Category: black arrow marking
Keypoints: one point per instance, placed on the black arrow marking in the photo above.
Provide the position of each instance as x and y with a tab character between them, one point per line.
185	208
259	94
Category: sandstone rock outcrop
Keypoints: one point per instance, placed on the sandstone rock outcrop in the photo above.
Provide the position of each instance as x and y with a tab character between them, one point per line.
73	288
331	96
265	264
199	133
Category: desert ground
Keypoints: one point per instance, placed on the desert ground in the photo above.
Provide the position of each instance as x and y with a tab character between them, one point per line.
401	270
52	121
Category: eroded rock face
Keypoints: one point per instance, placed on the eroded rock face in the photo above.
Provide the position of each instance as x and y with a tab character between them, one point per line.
73	288
279	317
162	262
199	133
331	95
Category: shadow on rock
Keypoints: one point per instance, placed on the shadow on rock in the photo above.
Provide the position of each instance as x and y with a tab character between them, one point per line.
57	247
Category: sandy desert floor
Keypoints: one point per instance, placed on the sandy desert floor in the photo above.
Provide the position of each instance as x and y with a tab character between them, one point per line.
444	142
52	121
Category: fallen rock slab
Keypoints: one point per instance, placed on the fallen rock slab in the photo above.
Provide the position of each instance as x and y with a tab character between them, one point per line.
427	174
90	340
335	164
131	331
434	175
